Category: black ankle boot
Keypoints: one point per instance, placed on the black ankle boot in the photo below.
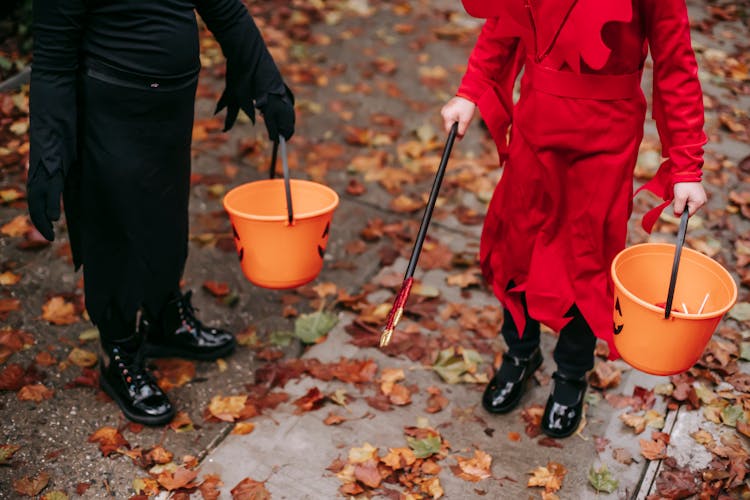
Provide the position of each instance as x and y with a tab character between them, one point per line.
178	333
564	409
134	389
504	391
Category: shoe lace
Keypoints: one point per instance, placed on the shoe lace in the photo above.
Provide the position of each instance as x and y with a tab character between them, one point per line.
187	310
139	383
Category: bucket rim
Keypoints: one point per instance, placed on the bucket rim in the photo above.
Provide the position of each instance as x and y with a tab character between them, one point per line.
676	314
282	217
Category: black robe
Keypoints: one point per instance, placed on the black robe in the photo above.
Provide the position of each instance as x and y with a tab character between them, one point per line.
112	97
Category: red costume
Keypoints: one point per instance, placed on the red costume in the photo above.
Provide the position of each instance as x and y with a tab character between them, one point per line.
560	211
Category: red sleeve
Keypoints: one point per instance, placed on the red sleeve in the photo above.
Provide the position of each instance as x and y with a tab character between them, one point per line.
490	75
677	99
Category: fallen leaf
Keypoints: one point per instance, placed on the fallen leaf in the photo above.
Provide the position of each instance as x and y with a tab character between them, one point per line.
31	486
35	392
19	226
312	400
310	328
550	477
59	312
159	455
601	479
334	419
242	428
181	422
474	469
146	486
653	450
249	489
7	451
605	375
109	439
8	278
227	408
216	289
180	478
82	358
173	372
209	488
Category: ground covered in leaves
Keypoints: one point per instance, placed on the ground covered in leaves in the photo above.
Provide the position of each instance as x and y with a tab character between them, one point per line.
370	78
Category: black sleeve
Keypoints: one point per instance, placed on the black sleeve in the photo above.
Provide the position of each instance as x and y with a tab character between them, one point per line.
251	72
57	27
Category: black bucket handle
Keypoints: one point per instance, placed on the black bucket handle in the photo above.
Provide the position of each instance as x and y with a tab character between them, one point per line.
285	165
676	263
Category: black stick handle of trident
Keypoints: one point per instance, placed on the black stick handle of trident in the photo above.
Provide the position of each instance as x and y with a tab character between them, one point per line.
676	263
287	183
274	154
431	203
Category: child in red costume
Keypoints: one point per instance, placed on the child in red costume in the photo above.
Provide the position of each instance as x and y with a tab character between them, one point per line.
560	211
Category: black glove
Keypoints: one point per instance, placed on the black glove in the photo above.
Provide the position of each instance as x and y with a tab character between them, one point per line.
278	113
43	191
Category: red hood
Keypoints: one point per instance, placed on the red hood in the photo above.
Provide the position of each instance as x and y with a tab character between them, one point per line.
483	8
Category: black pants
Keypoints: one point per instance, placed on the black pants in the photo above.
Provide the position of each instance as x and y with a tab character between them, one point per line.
574	351
134	186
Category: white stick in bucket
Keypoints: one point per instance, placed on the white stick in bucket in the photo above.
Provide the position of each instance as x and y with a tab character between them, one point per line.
684	308
705	299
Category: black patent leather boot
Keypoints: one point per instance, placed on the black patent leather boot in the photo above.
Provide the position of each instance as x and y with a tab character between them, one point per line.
127	381
564	409
178	333
504	391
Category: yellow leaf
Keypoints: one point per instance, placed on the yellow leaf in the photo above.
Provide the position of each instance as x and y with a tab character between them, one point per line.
82	358
243	428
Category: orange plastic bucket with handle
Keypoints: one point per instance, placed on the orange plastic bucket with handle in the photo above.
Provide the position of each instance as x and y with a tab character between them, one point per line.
281	228
668	303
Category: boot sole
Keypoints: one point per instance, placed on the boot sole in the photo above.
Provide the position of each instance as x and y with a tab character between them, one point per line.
134	417
162	351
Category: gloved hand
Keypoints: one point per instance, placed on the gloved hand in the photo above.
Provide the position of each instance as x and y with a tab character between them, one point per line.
278	113
43	193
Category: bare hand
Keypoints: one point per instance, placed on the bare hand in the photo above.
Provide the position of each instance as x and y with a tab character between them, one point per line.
458	110
691	194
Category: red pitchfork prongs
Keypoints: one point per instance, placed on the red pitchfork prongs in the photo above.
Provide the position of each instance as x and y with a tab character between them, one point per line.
397	310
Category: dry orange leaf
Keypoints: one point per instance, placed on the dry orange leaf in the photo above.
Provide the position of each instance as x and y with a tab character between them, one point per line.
400	395
8	278
109	439
473	469
405	204
249	489
44	358
242	428
550	477
82	357
159	455
637	422
431	486
17	227
173	372
180	478
181	422
31	486
368	473
436	402
653	450
35	392
59	312
605	375
216	288
146	486
209	488
334	419
227	408
399	458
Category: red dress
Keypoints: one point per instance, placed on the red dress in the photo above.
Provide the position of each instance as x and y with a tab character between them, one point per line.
559	214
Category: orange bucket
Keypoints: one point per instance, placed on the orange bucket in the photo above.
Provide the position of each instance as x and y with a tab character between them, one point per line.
647	336
280	247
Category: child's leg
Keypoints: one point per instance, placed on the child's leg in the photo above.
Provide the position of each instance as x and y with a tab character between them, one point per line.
574	352
574	355
504	391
